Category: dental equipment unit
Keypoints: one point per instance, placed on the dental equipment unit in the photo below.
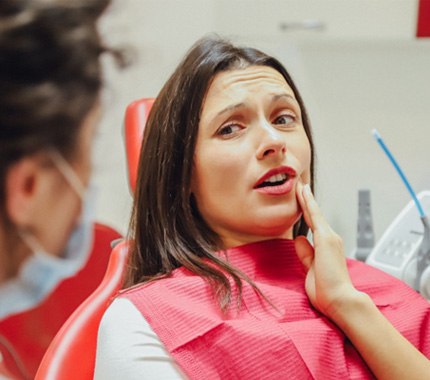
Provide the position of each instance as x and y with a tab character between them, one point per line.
404	249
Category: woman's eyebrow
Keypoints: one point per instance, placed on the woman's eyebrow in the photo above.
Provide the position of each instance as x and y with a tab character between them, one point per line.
284	95
229	108
275	97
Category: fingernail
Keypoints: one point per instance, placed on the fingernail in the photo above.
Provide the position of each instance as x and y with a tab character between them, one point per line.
307	189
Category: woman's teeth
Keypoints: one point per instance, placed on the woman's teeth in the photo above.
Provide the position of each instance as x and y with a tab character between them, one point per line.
277	178
274	180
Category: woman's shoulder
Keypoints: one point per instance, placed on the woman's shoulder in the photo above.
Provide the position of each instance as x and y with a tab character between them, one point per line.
128	347
122	312
121	326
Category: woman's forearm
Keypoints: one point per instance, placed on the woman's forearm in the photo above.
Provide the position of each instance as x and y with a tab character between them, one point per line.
387	353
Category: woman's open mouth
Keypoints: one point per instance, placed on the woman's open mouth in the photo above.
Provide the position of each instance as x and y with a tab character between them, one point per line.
274	180
277	181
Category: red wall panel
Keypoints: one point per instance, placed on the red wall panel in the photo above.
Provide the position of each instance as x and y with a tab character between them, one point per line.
423	22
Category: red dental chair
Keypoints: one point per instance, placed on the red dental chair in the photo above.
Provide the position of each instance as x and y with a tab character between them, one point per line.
71	354
136	115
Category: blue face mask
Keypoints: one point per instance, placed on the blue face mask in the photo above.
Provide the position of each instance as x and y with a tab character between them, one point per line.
42	272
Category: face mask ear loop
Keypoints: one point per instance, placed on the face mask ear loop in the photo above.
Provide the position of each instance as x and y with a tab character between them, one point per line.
68	173
31	241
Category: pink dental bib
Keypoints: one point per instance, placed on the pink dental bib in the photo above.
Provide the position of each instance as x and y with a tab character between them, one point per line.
258	341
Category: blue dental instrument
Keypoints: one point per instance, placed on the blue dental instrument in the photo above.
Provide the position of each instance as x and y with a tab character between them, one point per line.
378	138
423	256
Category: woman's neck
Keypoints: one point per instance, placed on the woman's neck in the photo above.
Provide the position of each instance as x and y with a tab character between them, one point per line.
236	240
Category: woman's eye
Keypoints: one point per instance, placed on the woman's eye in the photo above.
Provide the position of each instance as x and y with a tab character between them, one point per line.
229	129
284	119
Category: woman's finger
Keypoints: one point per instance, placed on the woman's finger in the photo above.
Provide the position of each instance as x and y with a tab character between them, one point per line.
317	222
302	203
325	239
305	251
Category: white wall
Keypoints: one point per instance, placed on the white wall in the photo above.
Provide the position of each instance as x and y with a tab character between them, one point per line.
363	70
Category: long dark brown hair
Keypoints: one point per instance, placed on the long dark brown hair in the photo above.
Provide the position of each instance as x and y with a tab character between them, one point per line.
166	228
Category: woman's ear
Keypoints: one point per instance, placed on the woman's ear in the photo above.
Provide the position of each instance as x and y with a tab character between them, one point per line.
22	189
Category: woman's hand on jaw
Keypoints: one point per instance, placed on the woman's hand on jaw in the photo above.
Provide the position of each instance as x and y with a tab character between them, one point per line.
328	284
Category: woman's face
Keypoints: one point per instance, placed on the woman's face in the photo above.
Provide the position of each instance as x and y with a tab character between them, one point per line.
251	151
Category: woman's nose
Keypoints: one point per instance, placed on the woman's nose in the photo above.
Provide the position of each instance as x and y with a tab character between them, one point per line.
272	142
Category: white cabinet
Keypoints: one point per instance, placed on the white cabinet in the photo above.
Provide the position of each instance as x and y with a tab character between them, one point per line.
326	19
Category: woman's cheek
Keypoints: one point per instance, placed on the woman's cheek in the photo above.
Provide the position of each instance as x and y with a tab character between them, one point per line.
305	177
306	163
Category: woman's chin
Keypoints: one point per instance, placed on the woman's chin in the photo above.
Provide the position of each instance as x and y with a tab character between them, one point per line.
280	221
278	227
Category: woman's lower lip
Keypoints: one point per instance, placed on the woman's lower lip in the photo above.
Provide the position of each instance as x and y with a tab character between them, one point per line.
285	188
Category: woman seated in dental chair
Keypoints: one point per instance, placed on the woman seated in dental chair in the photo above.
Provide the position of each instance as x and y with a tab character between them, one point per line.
223	283
52	256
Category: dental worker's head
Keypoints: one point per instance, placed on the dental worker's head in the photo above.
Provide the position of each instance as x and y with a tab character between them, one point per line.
227	126
50	75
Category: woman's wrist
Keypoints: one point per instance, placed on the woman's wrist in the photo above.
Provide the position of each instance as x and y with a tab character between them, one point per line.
351	309
377	341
